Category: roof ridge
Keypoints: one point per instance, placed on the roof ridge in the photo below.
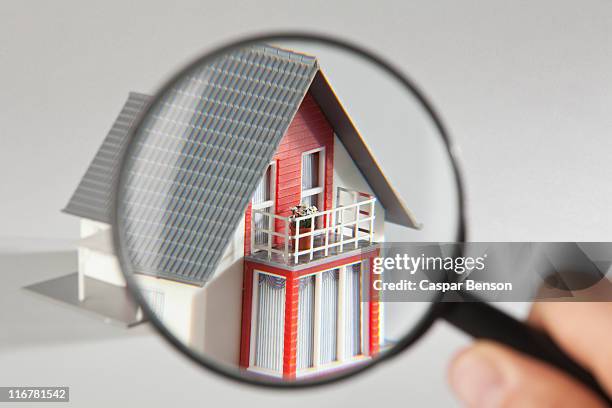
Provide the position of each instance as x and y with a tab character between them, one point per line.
289	54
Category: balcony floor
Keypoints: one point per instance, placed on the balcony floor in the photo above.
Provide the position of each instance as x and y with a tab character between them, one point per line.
318	257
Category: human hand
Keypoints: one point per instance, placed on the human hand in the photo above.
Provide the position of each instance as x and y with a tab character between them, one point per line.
487	374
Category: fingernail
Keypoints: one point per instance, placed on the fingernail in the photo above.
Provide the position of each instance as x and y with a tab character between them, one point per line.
476	380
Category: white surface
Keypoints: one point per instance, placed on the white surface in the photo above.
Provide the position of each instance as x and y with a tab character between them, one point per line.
96	259
347	175
524	89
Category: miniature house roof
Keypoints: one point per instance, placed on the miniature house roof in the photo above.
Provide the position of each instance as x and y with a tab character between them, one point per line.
247	98
94	195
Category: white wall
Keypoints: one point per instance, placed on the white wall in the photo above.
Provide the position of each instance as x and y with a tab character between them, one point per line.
90	227
96	253
178	313
207	319
347	175
100	265
217	309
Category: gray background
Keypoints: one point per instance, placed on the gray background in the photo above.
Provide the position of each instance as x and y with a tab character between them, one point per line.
523	86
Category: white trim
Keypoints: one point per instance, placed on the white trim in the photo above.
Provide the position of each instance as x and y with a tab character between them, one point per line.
332	366
365	312
265	371
344	269
311	192
317	322
381	321
318	149
341	317
254	310
336	227
365	308
268	204
80	284
320	189
263	205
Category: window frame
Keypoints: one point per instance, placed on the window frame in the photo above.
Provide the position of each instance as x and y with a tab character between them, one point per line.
268	204
316	318
320	189
156	300
255	326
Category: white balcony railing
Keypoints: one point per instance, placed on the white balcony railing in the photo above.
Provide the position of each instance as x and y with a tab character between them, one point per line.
331	231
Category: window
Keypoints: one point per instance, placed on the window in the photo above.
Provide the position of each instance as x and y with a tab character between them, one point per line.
269	310
329	317
155	301
329	330
313	178
306	324
263	199
352	310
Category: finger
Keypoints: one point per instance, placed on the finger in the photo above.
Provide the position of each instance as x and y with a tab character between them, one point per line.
491	375
583	330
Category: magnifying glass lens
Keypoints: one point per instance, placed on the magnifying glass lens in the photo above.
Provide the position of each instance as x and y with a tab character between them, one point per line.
254	196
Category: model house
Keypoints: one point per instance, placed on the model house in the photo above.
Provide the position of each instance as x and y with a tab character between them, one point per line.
283	287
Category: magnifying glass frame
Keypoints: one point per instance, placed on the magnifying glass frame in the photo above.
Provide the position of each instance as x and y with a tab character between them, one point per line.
428	317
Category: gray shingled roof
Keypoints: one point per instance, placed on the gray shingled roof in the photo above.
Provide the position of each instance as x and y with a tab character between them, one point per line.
94	195
203	148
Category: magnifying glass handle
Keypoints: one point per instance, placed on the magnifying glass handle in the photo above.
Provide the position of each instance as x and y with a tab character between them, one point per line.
483	321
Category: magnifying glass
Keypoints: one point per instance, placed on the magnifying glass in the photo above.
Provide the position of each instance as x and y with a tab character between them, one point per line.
254	193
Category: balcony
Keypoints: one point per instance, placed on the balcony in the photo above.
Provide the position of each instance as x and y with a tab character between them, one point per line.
348	226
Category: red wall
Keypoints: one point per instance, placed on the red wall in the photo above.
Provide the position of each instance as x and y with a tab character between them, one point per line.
291	326
309	130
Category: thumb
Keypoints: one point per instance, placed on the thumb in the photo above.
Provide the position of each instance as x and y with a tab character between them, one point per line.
491	375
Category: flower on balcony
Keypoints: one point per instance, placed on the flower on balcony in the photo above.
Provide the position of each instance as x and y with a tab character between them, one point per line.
303	210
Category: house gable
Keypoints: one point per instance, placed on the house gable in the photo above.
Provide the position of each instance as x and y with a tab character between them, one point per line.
309	130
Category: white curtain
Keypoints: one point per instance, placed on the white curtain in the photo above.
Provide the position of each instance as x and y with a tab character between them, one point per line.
310	171
262	194
311	200
352	308
270	322
155	301
306	311
329	316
